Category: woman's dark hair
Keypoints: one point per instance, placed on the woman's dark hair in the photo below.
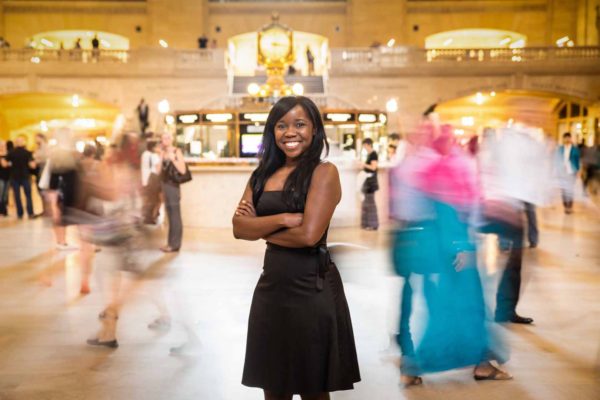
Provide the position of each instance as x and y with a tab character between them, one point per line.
150	145
272	158
368	141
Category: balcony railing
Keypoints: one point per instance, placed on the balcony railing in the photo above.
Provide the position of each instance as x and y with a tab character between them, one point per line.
399	57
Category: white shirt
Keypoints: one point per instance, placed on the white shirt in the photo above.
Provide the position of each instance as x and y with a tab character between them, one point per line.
566	158
150	164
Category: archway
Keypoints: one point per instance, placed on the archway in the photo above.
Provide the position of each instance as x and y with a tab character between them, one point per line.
29	113
551	112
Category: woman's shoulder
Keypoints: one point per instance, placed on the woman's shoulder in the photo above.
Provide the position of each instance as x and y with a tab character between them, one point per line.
326	170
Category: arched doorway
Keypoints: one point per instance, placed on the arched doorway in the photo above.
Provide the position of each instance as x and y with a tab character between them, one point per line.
29	113
553	113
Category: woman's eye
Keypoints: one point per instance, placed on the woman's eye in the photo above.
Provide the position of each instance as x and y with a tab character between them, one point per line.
300	124
281	127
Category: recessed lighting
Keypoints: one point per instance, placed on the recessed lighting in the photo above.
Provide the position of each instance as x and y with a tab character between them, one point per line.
163	43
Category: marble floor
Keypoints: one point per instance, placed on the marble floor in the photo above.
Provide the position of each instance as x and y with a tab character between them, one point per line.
44	321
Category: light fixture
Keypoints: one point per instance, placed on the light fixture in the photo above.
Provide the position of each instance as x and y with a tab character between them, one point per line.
101	139
35	60
298	89
80	146
169	119
163	43
518	44
492	94
391	42
367	118
46	42
104	43
479	98
459	132
164	106
75	100
256	117
338	117
382	118
253	89
505	41
562	41
187	118
391	105
219	117
448	42
467	121
43	126
570	43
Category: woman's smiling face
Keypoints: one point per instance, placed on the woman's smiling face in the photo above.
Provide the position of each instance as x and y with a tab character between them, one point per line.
294	132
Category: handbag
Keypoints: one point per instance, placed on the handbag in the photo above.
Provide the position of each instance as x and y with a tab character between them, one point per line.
174	176
370	185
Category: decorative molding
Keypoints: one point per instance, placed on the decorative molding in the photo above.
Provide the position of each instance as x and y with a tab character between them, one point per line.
469	6
75	7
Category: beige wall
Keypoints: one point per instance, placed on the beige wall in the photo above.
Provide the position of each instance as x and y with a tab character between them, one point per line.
351	23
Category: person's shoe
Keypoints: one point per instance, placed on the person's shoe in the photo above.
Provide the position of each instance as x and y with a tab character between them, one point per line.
532	245
515	319
496	375
167	249
112	344
66	247
160	324
186	349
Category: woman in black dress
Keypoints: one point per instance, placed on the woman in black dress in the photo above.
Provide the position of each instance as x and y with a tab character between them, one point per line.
300	338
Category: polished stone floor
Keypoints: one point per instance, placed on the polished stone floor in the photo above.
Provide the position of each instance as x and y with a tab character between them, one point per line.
44	322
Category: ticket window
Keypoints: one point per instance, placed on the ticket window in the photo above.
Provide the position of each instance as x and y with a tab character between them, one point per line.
342	140
206	141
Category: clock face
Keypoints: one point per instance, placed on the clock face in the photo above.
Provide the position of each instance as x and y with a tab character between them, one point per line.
275	44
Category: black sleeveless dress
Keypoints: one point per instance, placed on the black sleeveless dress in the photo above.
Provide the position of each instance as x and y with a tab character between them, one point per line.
300	337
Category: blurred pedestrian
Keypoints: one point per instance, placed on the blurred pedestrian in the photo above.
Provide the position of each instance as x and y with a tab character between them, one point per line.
20	161
310	60
300	338
4	179
151	185
40	155
143	114
568	167
172	163
369	219
437	191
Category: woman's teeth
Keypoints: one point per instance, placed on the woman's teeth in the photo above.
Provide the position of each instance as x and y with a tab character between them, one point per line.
291	145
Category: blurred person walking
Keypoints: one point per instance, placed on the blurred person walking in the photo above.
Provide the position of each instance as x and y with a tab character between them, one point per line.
143	113
151	187
435	196
20	161
40	156
300	338
172	164
568	169
369	219
59	180
4	179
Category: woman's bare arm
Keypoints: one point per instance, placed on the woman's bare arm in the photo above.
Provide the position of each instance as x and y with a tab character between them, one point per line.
324	194
248	226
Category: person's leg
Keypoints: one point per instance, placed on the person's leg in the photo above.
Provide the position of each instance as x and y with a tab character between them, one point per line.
532	228
3	197
404	335
175	227
510	282
16	186
28	199
318	396
276	396
86	254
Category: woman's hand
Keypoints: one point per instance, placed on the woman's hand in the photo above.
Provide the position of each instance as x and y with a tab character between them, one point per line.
245	209
463	260
292	220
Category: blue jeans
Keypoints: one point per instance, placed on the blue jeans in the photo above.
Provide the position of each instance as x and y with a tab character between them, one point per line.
26	185
3	197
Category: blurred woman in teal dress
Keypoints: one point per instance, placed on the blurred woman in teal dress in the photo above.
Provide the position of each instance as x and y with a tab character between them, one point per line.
434	198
